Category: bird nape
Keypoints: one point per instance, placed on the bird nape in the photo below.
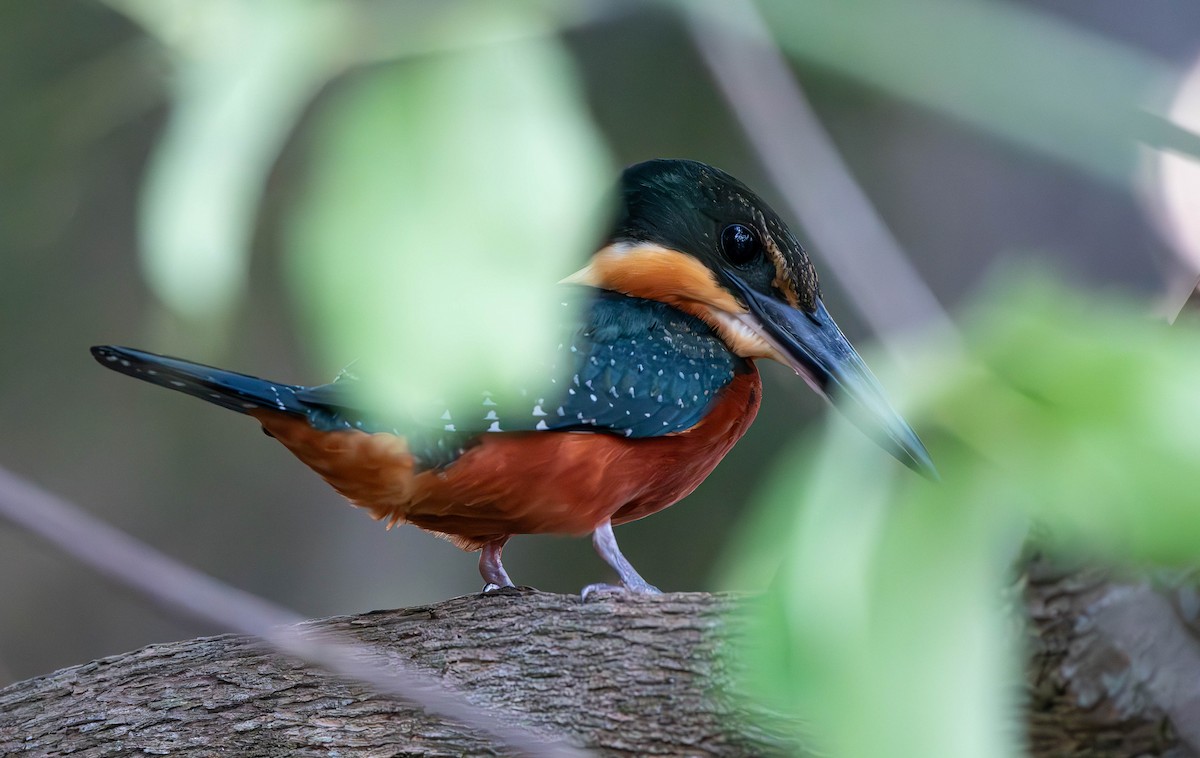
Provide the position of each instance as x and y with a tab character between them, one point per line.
697	278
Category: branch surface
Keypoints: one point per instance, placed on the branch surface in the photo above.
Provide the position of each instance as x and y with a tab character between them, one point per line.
619	675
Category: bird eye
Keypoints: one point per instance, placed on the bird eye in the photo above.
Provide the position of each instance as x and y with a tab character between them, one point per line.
739	243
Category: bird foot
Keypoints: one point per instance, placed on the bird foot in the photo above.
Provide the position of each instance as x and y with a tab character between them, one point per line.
500	589
634	588
631	580
596	589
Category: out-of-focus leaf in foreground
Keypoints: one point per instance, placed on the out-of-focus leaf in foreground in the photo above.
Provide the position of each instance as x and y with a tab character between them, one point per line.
447	195
1091	410
241	74
886	630
1016	72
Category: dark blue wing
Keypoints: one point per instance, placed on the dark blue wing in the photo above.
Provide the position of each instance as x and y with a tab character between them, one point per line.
635	367
630	366
627	366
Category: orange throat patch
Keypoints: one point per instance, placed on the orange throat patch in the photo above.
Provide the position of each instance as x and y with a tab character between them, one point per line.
659	273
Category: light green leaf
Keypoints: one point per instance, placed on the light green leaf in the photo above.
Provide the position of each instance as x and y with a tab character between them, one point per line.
1010	70
242	72
886	631
446	197
1093	408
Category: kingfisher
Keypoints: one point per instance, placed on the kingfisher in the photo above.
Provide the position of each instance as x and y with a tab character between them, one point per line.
652	386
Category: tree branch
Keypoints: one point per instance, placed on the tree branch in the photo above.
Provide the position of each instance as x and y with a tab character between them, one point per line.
622	674
619	675
1114	667
185	591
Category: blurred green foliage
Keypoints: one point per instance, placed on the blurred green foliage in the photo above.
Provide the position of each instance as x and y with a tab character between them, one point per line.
442	263
455	174
1009	69
242	73
886	630
447	193
1088	411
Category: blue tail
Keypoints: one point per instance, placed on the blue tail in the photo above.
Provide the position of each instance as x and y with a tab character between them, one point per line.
237	392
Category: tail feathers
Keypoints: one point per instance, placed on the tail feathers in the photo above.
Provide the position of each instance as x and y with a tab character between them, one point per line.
237	392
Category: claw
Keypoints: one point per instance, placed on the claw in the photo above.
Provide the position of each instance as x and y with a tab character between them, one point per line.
602	588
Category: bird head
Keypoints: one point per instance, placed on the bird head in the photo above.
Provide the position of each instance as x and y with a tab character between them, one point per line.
693	237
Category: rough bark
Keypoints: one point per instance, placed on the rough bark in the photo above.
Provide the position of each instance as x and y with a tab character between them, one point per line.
1114	665
619	675
628	675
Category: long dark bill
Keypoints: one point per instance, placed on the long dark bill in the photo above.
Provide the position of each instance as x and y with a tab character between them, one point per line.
815	347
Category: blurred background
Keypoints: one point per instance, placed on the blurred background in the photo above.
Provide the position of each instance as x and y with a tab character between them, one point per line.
253	184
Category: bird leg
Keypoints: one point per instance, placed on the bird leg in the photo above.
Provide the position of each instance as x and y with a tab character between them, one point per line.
490	567
631	581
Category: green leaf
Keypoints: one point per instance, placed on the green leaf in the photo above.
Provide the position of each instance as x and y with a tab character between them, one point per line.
242	72
886	631
1010	70
1092	408
446	197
